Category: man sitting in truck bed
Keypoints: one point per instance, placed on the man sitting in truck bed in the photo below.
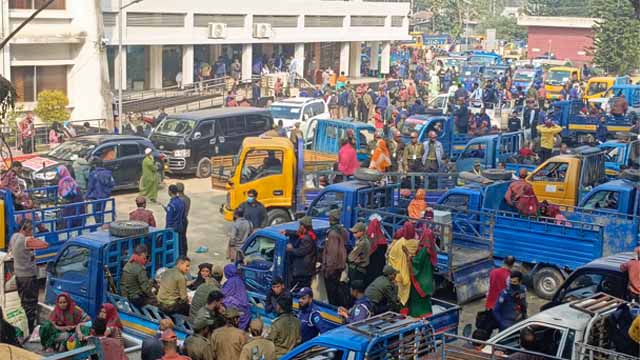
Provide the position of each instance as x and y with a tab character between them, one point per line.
134	282
520	195
172	295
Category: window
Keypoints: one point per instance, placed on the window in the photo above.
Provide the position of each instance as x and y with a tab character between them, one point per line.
318	108
260	250
548	339
364	136
474	151
329	201
206	129
308	112
31	80
587	284
568	345
457	201
257	123
552	172
277	21
259	164
106	153
36	4
596	88
74	259
126	150
603	200
320	353
232	125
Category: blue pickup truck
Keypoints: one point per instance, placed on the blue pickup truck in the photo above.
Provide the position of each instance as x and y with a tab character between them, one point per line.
578	128
53	220
551	249
452	142
620	155
490	150
326	134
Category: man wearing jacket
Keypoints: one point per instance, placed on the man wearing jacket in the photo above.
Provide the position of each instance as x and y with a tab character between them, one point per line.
302	252
99	187
334	257
176	217
433	157
511	306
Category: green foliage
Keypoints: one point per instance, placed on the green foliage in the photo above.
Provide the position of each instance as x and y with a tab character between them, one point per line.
577	8
52	106
8	97
616	45
506	28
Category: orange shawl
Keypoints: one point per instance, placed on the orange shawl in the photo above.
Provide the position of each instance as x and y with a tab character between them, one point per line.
381	158
418	205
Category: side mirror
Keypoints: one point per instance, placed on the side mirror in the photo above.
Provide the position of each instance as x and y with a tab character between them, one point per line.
239	256
197	135
305	117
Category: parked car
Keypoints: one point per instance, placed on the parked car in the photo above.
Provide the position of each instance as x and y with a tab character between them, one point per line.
126	167
299	109
189	140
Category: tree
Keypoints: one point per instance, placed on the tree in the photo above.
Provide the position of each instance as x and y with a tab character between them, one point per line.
52	106
506	28
616	41
574	8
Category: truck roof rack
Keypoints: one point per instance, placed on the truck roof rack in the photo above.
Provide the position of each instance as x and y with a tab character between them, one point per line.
382	324
597	304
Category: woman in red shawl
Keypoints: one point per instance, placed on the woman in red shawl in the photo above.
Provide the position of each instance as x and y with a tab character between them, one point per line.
109	313
65	321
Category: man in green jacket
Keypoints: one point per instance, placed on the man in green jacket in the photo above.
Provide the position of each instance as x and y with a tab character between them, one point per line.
285	329
172	295
383	293
134	282
213	311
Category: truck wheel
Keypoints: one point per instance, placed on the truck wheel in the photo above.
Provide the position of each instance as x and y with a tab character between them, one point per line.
546	282
126	228
497	174
631	175
204	168
277	216
368	175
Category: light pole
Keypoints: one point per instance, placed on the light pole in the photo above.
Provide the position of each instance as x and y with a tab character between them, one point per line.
122	64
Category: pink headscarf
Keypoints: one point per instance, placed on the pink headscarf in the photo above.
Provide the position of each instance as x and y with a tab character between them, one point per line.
67	186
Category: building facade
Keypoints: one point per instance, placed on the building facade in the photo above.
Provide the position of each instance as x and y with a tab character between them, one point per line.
73	45
567	38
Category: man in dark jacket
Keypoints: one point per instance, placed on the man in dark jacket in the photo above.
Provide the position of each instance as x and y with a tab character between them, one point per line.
277	290
531	119
134	282
175	218
334	257
383	293
254	211
99	187
461	116
511	306
302	253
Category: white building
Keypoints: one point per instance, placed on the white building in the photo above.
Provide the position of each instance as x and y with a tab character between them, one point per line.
73	45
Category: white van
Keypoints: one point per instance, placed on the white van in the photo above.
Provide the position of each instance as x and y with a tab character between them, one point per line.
299	109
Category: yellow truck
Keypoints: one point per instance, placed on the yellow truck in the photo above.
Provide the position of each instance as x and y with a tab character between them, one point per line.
278	172
557	77
598	86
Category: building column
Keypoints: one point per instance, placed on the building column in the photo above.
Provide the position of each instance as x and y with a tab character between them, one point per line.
344	58
187	64
155	66
247	61
354	66
299	56
120	72
373	56
214	53
385	57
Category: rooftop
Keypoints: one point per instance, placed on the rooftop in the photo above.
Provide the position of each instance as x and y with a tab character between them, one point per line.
556	21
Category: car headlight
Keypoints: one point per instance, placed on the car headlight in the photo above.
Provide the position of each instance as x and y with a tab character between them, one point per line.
45	176
182	153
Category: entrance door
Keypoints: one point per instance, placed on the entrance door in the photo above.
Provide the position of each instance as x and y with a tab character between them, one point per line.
171	65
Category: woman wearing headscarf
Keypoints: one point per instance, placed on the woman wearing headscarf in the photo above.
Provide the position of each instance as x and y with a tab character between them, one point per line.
421	266
381	159
55	135
70	192
235	295
150	177
418	205
204	275
109	313
65	321
404	238
10	181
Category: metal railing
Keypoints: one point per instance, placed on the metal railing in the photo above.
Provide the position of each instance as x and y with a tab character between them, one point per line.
590	352
451	346
175	90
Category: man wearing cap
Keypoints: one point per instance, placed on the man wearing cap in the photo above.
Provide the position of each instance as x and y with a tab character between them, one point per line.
152	345
521	196
477	168
257	347
212	311
361	309
135	285
240	230
334	257
383	293
311	322
172	294
277	290
197	345
170	346
150	177
227	341
412	157
141	213
175	218
358	258
302	253
285	329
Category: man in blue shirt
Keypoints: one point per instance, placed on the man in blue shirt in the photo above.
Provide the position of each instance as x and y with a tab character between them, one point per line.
176	217
99	186
311	322
511	306
362	308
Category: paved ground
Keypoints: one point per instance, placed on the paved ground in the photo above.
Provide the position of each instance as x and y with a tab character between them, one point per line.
207	228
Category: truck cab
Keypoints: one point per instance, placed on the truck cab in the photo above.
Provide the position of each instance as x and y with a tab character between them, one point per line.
490	150
631	94
325	135
557	76
565	179
620	155
597	86
453	143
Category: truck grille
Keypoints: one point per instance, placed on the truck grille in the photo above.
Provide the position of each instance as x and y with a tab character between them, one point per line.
174	162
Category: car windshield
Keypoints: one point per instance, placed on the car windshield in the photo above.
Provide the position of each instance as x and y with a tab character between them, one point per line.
611	153
67	149
523	76
285	112
176	127
482	59
470	70
558	77
411	126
